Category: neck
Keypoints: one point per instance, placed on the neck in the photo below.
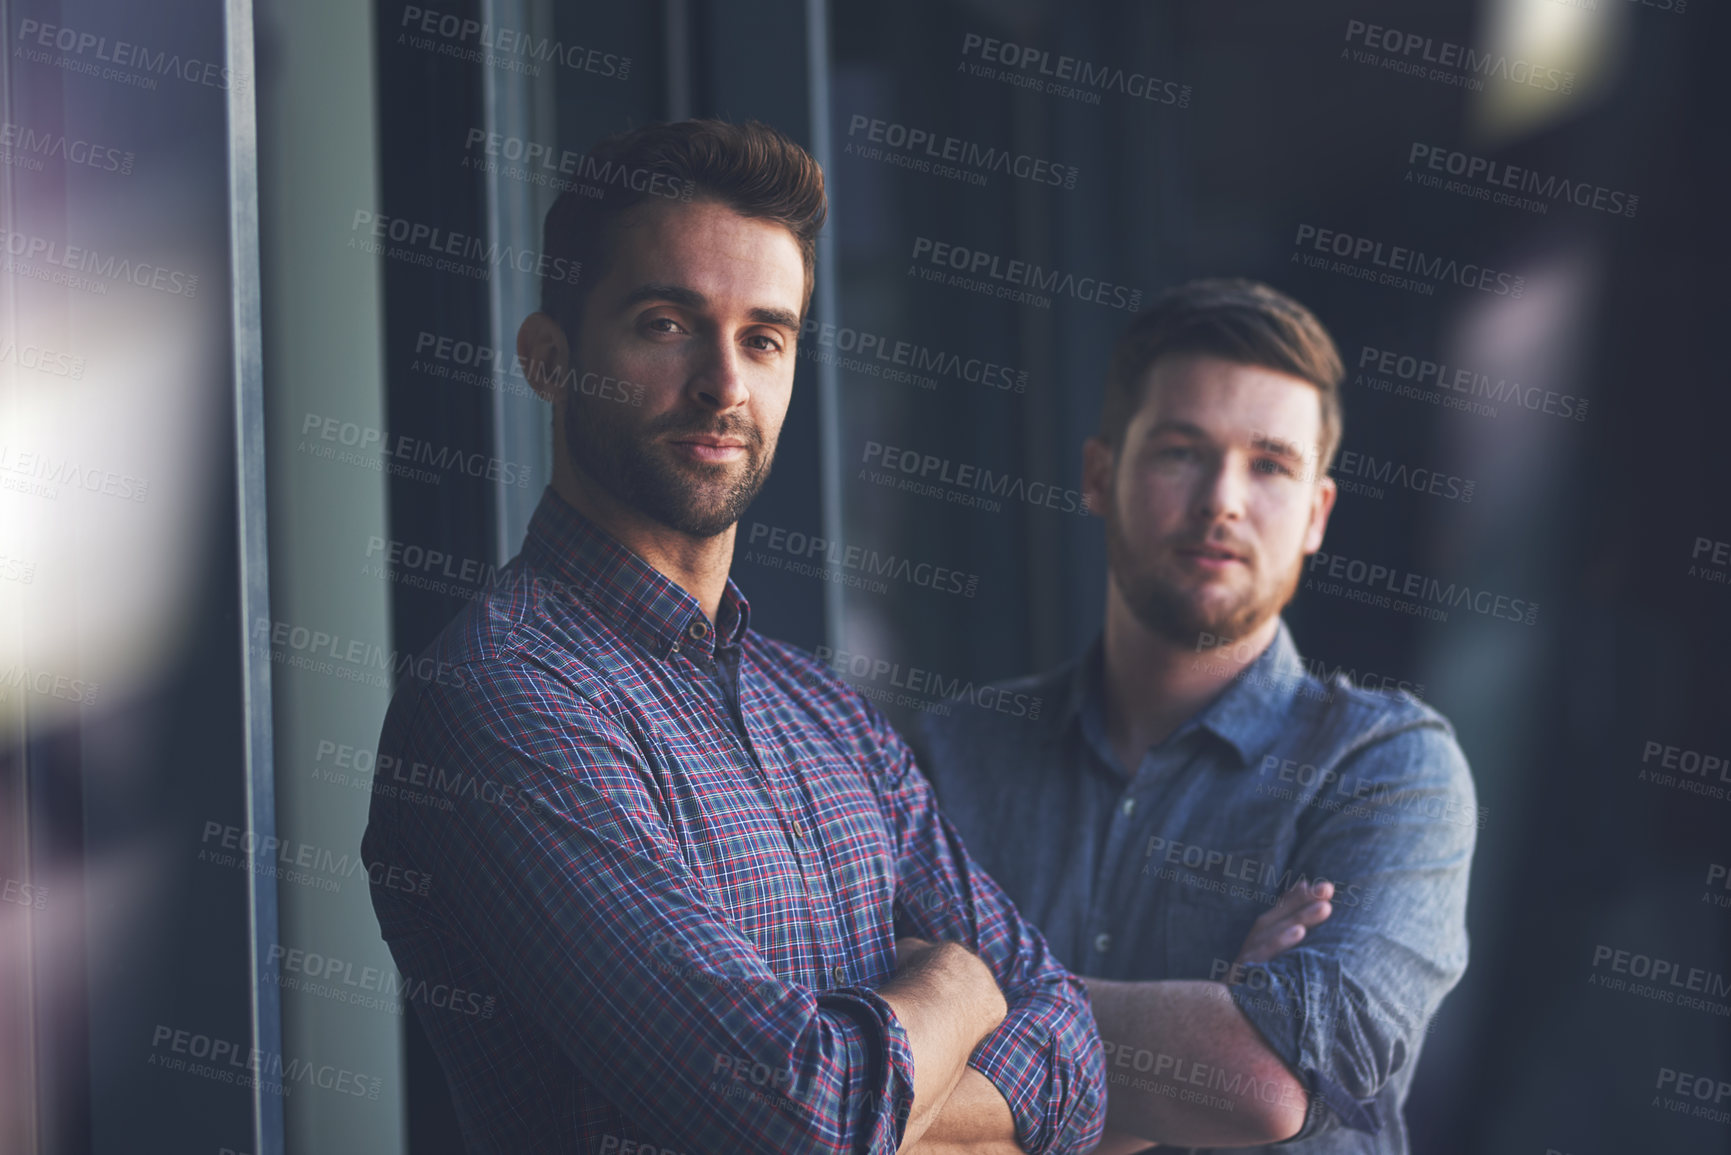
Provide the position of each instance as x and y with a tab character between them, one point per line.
699	566
1152	684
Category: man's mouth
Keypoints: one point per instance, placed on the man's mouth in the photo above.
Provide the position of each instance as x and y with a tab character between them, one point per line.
708	447
1210	555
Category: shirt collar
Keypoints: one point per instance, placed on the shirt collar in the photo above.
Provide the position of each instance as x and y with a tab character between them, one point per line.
620	587
1252	712
1248	714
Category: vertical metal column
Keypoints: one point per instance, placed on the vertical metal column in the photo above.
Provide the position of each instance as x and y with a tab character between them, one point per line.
824	311
259	769
513	103
677	58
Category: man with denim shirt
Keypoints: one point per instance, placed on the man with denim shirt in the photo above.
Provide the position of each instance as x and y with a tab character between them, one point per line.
1264	875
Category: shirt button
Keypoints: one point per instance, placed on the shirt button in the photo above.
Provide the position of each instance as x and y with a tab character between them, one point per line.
1129	807
698	629
839	974
1102	943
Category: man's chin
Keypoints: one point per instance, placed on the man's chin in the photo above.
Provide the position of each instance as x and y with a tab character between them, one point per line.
704	511
1214	600
1190	623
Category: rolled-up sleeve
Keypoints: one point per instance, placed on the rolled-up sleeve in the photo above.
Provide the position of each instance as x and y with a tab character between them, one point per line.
575	896
1045	1058
1348	1007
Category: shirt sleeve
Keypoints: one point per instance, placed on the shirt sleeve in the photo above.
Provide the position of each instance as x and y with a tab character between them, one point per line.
1045	1058
571	888
1348	1007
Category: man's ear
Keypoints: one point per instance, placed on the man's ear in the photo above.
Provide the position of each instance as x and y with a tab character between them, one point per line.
543	355
1097	462
1321	505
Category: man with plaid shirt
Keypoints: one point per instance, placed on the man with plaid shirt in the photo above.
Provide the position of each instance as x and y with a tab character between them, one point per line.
713	894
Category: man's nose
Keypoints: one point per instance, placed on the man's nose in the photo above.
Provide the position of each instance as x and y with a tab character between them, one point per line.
718	382
1221	492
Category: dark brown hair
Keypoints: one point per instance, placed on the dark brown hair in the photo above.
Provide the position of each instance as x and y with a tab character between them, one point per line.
1237	320
752	168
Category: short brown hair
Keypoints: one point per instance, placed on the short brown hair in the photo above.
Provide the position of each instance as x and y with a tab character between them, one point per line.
751	168
1236	320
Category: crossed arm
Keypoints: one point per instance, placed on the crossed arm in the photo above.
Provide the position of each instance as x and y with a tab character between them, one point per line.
1190	1023
1188	1030
947	1000
1345	1003
1030	1078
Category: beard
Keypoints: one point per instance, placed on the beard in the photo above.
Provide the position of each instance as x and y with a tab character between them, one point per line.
1181	615
696	498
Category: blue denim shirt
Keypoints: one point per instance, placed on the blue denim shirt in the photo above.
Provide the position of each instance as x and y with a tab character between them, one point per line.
1158	874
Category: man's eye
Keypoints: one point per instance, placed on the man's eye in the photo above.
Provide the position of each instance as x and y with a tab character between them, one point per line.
662	325
1175	453
1270	465
764	343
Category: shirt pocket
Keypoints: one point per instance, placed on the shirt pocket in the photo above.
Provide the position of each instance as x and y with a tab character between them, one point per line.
1211	906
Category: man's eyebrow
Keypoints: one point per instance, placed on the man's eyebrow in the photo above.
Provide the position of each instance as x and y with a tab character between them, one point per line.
692	299
784	318
1182	428
678	294
1276	445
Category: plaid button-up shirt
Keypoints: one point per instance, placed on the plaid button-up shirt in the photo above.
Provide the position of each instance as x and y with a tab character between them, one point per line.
670	859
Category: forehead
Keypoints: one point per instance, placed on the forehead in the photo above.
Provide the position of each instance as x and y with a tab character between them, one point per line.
732	260
1228	400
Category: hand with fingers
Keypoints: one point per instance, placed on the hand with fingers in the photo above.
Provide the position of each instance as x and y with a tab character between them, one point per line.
1285	924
